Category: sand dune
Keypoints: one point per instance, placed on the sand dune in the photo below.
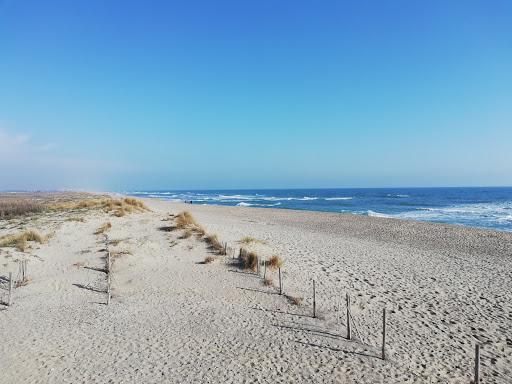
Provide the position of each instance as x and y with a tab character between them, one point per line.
174	319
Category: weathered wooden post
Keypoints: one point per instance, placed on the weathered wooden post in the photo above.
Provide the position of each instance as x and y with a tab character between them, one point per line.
264	270
349	330
280	283
314	299
108	278
477	364
384	334
11	287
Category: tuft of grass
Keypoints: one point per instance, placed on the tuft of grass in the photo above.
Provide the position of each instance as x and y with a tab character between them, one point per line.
248	240
76	219
268	282
214	243
274	262
208	259
250	260
104	228
295	300
185	220
20	241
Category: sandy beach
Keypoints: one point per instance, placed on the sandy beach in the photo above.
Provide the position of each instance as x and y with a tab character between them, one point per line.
174	319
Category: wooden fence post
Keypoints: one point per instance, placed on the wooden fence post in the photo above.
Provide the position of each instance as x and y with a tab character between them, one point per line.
314	300
477	364
349	330
280	283
384	334
11	287
264	270
108	278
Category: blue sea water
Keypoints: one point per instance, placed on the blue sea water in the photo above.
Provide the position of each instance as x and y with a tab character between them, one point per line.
475	207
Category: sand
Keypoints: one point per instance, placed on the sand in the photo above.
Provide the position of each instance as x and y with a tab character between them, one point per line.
173	319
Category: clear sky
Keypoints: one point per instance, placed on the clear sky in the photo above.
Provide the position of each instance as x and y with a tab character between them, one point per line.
242	94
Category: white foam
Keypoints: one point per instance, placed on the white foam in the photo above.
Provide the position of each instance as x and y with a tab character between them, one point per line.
376	214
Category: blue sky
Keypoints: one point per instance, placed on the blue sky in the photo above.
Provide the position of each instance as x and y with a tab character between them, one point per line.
117	95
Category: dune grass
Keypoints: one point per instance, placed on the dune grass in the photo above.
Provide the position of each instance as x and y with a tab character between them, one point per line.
294	300
104	228
186	221
274	262
249	240
20	241
11	208
209	259
214	243
118	207
76	219
249	260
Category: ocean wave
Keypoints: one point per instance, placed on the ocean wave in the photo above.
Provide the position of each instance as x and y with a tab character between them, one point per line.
244	204
376	214
338	198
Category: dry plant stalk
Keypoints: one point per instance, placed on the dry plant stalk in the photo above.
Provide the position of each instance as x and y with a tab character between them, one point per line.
209	259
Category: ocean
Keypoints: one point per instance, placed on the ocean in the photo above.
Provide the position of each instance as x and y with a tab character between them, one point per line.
474	207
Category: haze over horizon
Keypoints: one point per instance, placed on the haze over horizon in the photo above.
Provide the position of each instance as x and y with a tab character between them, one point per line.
229	95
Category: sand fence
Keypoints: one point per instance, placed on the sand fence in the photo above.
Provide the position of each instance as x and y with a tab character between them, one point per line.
352	325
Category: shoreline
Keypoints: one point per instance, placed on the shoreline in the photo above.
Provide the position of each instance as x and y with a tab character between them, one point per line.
445	288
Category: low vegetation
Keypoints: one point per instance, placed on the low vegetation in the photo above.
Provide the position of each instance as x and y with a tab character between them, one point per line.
20	241
104	228
118	207
208	259
249	240
249	260
186	221
214	243
295	300
10	208
76	219
274	262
